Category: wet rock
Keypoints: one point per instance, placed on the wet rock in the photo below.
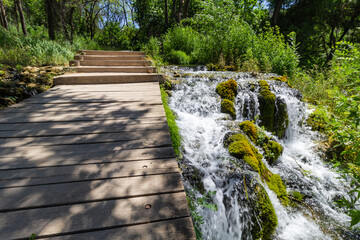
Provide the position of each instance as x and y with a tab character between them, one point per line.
260	215
266	106
281	119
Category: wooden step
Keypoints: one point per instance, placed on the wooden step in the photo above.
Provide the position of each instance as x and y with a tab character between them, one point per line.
109	57
111	63
105	78
101	52
123	69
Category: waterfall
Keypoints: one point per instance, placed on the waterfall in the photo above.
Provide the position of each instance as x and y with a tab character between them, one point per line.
210	167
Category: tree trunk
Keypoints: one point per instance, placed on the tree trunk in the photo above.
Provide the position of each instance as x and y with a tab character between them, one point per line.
174	10
166	15
71	21
22	18
4	21
186	8
278	6
50	18
181	3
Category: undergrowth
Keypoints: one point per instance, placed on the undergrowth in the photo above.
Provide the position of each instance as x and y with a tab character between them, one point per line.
173	128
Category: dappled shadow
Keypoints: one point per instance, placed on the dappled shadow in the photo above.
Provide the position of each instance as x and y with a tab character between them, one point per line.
90	161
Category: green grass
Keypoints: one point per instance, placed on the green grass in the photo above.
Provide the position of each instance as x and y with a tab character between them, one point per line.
174	129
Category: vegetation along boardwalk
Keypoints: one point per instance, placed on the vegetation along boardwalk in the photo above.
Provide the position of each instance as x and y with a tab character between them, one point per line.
92	161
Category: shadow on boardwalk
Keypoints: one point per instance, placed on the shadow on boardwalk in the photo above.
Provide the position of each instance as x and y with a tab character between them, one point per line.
95	164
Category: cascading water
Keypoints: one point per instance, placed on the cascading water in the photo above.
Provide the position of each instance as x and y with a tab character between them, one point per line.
208	166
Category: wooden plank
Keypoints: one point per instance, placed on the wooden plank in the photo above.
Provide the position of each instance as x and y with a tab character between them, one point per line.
79	107
98	113
180	229
34	157
39	131
105	95
87	191
77	117
80	124
84	138
124	87
62	174
99	215
148	99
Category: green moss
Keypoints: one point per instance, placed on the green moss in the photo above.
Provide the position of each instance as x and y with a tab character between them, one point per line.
234	138
242	150
267	216
272	150
282	79
296	195
277	186
263	84
227	90
174	130
266	107
227	106
250	129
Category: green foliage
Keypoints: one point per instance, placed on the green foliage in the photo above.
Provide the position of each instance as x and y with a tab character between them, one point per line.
174	129
179	57
34	49
117	38
152	49
206	201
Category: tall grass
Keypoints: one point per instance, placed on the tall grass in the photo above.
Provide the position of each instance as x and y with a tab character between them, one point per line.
35	49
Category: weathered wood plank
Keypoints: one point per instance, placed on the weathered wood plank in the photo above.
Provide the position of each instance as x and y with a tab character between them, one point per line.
62	174
128	87
36	157
77	117
152	99
80	124
180	229
79	107
40	131
106	95
85	138
85	217
96	190
156	109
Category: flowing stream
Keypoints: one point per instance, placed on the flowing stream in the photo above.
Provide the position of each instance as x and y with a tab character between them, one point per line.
203	128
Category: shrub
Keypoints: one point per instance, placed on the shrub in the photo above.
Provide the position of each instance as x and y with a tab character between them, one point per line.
179	57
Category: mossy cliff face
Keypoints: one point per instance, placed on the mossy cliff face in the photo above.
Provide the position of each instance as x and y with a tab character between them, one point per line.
272	149
241	148
273	111
227	106
267	216
266	106
249	192
227	90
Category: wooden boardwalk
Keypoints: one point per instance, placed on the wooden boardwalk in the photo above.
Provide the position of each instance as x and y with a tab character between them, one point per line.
91	162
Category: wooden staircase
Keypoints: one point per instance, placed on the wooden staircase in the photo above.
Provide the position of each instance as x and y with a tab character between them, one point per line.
103	67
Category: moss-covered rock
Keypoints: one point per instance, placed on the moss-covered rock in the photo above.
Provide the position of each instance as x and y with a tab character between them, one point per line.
241	148
267	216
227	106
266	106
281	120
250	129
281	79
227	90
272	150
275	183
296	195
